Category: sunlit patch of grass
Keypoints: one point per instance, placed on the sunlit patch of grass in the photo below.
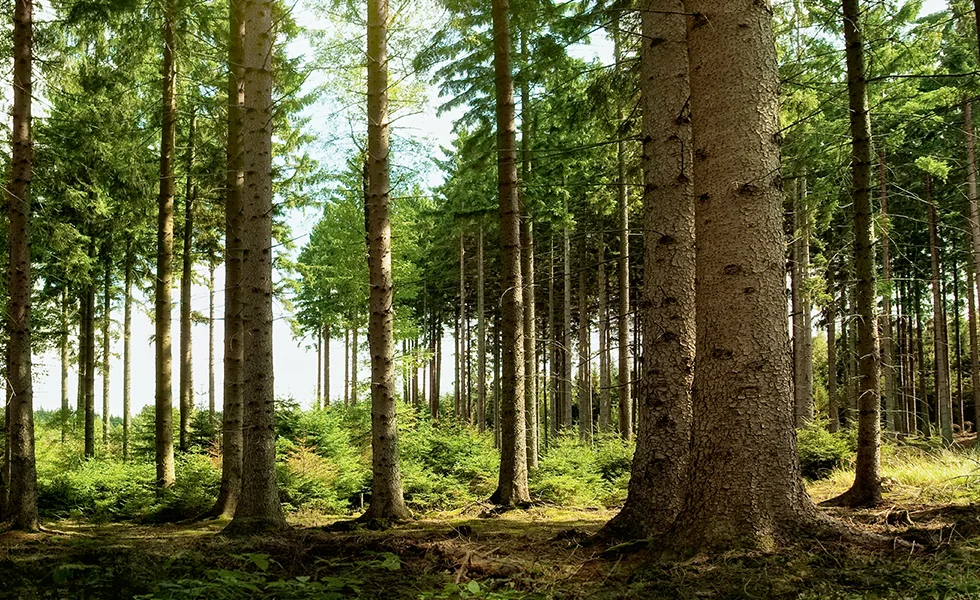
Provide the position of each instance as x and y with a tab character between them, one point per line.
914	475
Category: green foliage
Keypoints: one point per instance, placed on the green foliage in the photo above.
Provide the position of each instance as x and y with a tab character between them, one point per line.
821	451
573	474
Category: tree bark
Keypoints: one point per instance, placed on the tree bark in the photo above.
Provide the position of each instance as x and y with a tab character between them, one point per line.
660	473
346	366
974	353
232	400
887	343
481	339
259	510
65	360
106	347
165	256
186	343
326	365
832	391
745	486
944	406
530	337
22	486
460	334
625	399
353	366
802	336
90	367
566	332
958	363
605	396
127	348
585	424
512	485
387	499
554	385
922	406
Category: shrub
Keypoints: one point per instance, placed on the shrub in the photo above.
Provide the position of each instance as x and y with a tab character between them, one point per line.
574	474
821	451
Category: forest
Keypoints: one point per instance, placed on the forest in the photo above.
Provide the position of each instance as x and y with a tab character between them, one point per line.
509	299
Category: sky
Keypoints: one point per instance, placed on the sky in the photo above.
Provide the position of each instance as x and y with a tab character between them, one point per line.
295	361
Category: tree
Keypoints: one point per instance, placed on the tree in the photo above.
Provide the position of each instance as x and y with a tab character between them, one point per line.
658	478
512	485
22	483
259	509
387	499
745	485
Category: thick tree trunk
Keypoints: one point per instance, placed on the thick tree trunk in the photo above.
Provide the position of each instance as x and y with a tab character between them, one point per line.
660	473
21	507
585	424
165	257
481	339
232	400
258	510
866	489
887	344
944	405
623	325
512	485
127	348
187	266
745	486
106	347
387	499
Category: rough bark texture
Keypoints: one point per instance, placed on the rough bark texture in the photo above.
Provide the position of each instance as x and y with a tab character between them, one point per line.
231	402
866	490
258	508
745	486
623	322
512	485
971	169
21	507
944	404
186	391
387	499
165	258
667	311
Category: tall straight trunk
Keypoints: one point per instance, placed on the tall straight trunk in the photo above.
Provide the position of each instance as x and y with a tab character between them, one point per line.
106	347
326	365
566	333
496	381
625	399
127	348
660	473
530	338
165	258
958	363
80	403
318	403
415	372
481	339
802	337
866	490
585	424
433	357
971	169
745	484
346	366
234	335
512	484
554	385
605	397
65	359
852	358
971	281
887	343
259	510
353	365
832	393
922	406
22	485
211	358
90	370
186	344
458	336
387	499
944	406
908	349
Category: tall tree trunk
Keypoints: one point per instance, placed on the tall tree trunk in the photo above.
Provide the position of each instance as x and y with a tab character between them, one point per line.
625	399
866	490
90	369
211	317
554	385
660	474
346	366
80	402
22	486
922	407
512	485
65	359
460	333
106	347
259	510
232	400
734	497
353	365
566	333
318	404
944	406
802	343
887	344
127	347
481	339
186	344
530	336
971	170
584	359
832	393
958	363
605	397
326	365
971	281
165	258
387	499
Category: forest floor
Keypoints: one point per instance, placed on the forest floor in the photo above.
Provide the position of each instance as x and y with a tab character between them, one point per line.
536	553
